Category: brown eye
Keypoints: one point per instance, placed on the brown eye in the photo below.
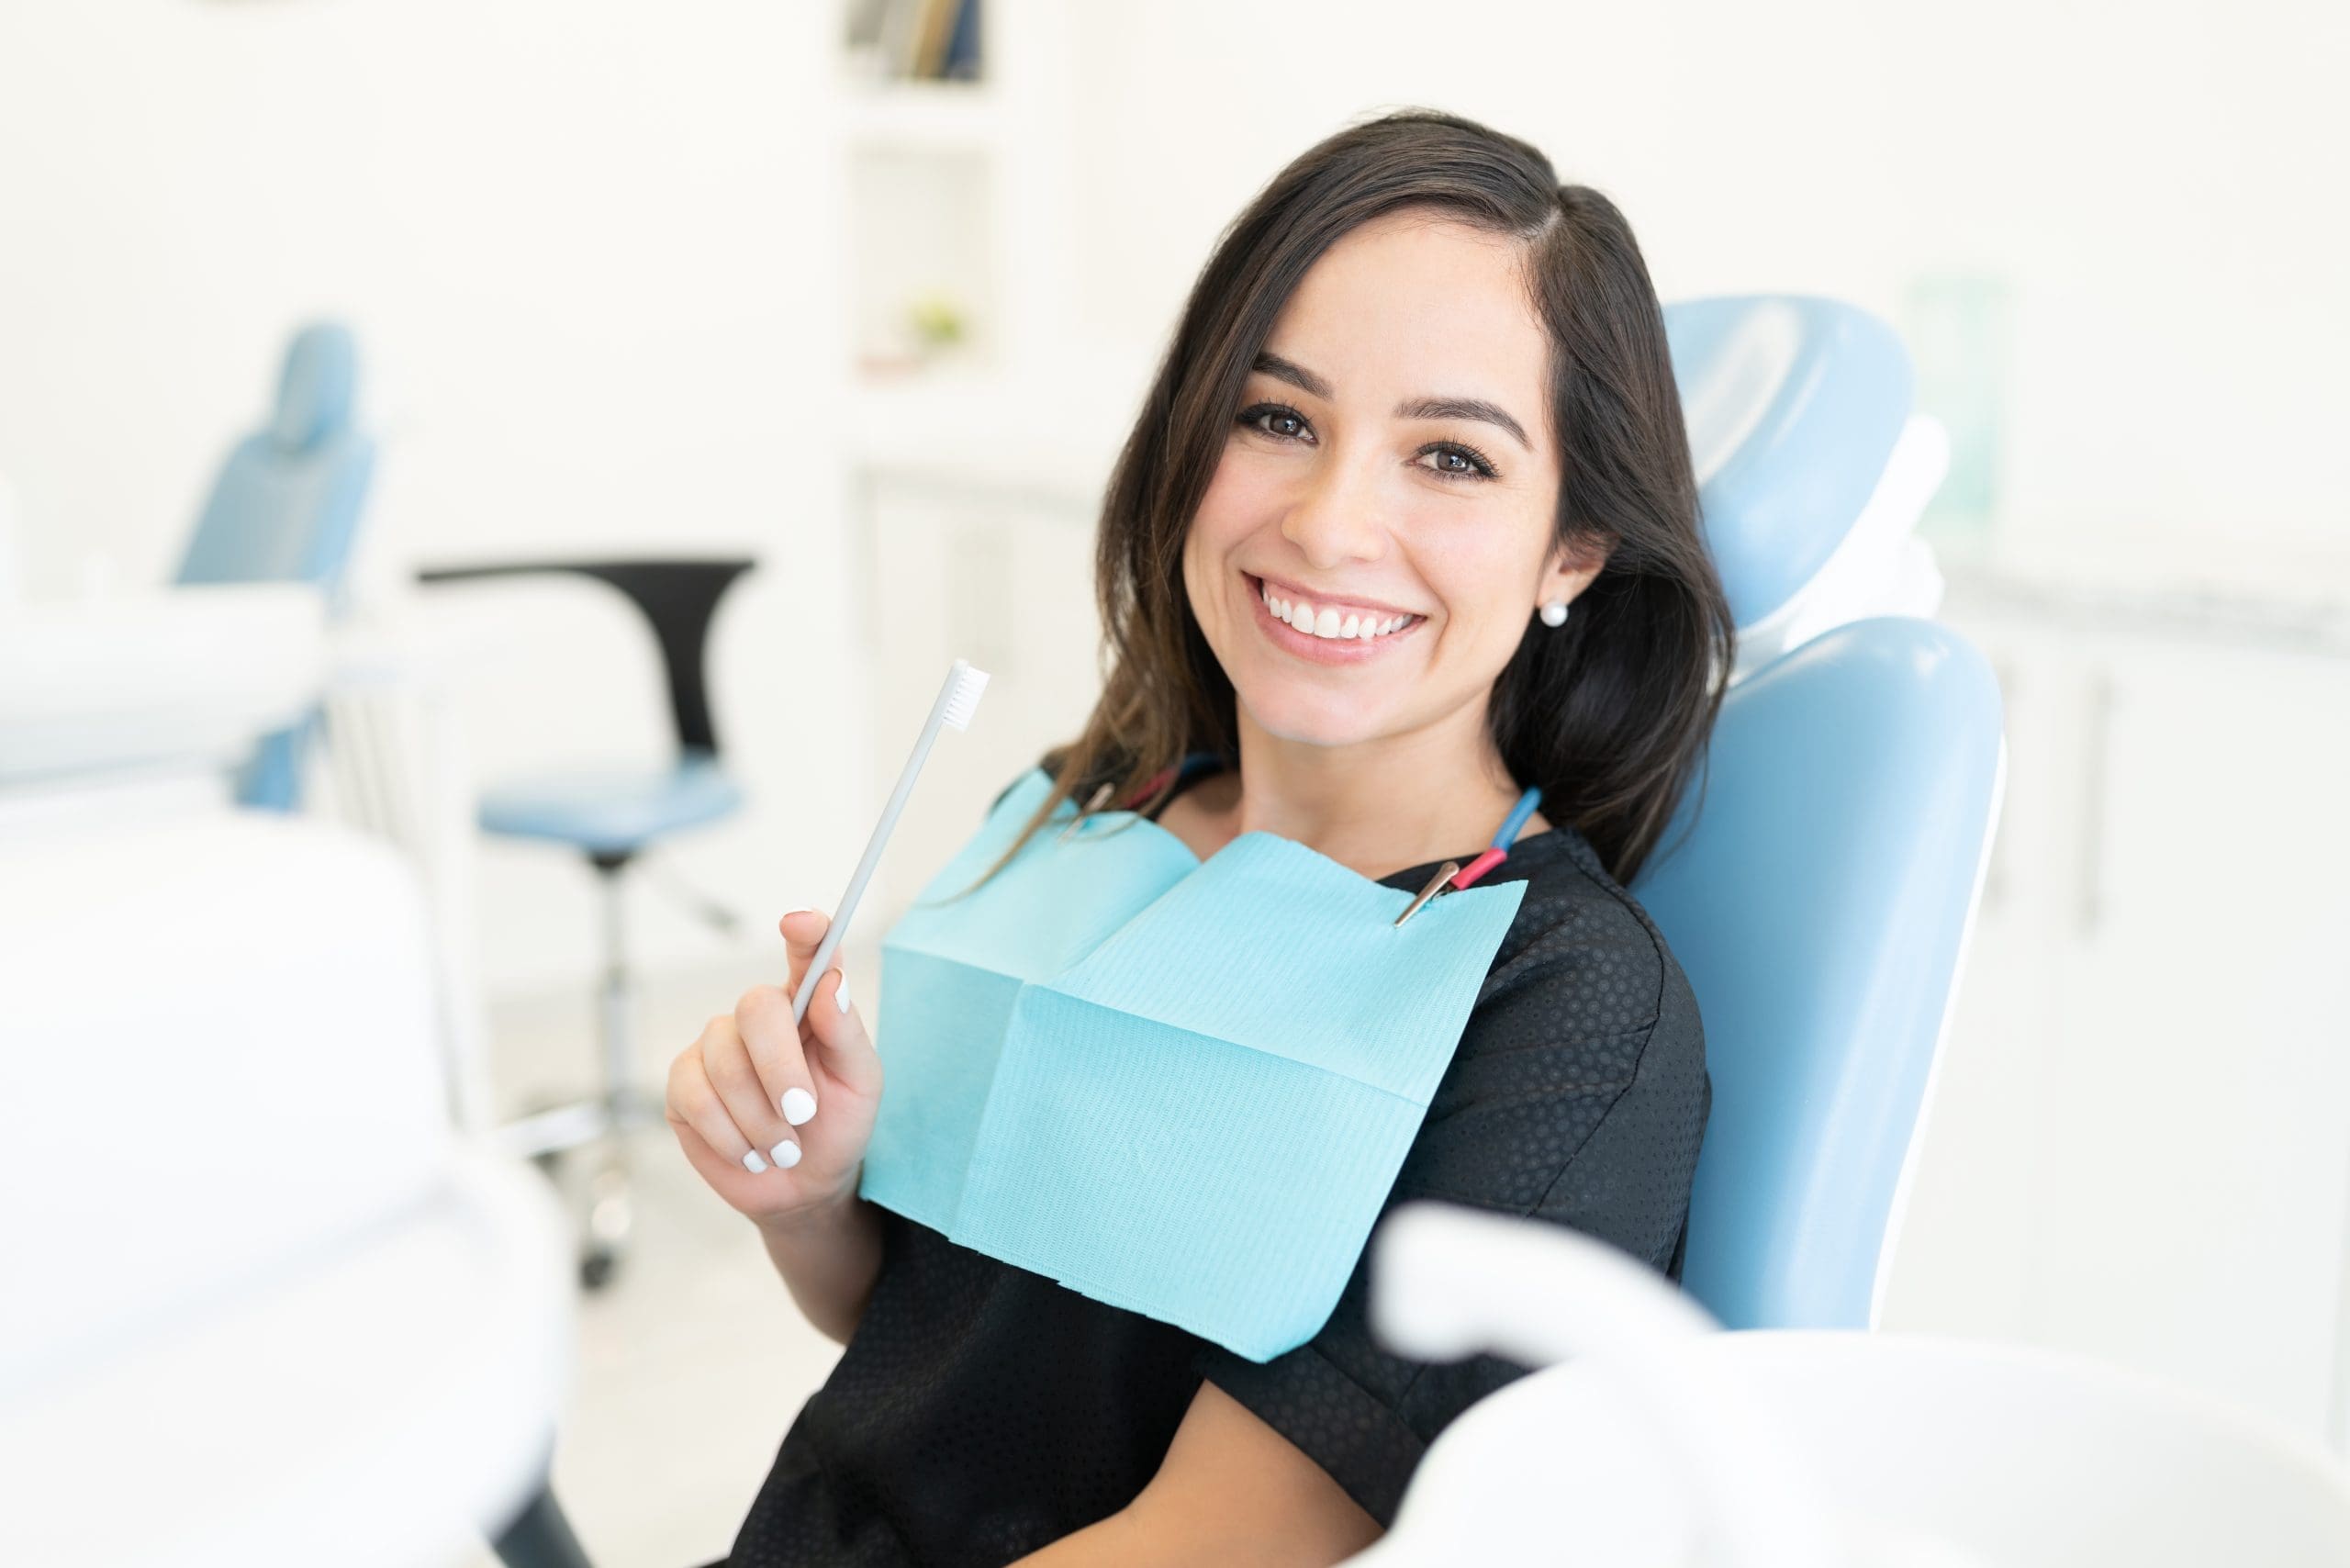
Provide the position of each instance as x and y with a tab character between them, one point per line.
1278	420
1456	461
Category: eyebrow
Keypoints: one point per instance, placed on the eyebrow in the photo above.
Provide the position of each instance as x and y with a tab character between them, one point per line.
1305	381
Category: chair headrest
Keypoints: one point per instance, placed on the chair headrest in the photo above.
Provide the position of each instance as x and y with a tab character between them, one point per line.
1794	404
313	390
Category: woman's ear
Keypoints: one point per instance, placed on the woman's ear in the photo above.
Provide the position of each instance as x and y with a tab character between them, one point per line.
1571	570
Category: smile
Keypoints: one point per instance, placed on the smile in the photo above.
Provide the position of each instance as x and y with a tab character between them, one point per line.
1332	633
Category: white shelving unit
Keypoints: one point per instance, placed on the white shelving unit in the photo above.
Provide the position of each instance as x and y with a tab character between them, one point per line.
962	189
975	473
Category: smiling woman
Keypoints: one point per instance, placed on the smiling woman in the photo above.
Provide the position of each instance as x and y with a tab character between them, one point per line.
1419	403
1418	376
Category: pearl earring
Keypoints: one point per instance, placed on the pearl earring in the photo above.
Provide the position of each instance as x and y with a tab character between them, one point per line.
1555	612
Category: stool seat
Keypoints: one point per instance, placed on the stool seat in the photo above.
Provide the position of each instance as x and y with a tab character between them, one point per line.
612	811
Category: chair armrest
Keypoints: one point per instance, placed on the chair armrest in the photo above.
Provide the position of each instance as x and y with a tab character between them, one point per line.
677	599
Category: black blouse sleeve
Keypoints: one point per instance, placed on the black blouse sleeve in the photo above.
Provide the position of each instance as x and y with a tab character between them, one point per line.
1578	1095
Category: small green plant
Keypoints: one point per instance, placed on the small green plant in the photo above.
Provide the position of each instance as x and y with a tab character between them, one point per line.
937	320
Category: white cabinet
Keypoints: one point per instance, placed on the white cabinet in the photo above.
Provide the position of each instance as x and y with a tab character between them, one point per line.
2144	1150
2194	1152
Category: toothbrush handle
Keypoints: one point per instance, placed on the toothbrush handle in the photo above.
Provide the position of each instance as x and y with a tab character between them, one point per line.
873	846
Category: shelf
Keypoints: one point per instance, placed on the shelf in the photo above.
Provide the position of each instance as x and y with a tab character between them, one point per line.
912	116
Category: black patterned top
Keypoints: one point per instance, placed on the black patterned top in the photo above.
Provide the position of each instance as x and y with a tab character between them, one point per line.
980	1411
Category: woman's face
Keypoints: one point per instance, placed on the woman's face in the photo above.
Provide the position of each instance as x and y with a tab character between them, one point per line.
1391	456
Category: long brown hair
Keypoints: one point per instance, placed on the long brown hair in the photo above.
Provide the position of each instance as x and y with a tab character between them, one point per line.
1610	714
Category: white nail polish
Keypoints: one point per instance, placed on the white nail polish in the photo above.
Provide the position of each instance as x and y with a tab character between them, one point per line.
787	1155
798	1105
841	996
753	1163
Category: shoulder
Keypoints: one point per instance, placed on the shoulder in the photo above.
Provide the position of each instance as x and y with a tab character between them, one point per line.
1585	1022
1584	945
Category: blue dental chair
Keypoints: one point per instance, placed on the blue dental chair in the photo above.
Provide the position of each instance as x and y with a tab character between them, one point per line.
1819	889
286	508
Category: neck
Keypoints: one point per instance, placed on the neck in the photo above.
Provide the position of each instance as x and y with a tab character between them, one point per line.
1379	805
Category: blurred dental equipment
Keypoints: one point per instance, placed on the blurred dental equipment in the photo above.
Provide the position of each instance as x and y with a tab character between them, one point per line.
286	506
1651	1439
266	1307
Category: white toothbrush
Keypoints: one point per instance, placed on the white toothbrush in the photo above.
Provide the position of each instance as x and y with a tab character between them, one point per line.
957	699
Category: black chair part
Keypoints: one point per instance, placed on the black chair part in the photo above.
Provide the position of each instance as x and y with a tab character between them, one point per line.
678	598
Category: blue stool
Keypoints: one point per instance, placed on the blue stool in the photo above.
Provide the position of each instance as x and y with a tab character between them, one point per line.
611	816
286	508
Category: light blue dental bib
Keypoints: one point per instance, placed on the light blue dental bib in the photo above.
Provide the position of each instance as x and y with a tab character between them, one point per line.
1181	1087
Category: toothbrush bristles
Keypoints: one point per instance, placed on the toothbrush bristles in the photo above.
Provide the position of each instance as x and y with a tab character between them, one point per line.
966	699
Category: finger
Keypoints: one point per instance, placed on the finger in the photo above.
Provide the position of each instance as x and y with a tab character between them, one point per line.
844	1050
780	1078
708	1163
803	932
696	1099
726	1062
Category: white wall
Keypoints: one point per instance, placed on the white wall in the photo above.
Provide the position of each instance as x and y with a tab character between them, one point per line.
591	251
2161	181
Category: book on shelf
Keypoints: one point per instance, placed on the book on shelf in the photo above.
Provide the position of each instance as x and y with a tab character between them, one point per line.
920	41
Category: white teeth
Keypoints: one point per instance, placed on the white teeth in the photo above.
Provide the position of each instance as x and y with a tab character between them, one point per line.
1332	623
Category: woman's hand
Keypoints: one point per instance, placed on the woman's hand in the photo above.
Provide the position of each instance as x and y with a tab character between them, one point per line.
776	1118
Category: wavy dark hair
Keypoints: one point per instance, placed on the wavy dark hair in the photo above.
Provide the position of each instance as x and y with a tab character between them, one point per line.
1610	714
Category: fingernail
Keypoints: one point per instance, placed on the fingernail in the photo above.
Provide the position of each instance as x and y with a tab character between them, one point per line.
753	1163
841	996
798	1105
787	1155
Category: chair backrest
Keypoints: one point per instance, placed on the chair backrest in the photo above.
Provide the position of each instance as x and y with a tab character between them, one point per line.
287	505
286	508
1816	884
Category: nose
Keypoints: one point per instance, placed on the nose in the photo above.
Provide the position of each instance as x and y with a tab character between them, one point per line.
1338	517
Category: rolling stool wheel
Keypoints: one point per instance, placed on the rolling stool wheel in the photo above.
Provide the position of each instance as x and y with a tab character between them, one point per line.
609	1216
605	1212
596	1266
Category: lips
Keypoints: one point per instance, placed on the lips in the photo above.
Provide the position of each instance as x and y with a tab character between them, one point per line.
1320	650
